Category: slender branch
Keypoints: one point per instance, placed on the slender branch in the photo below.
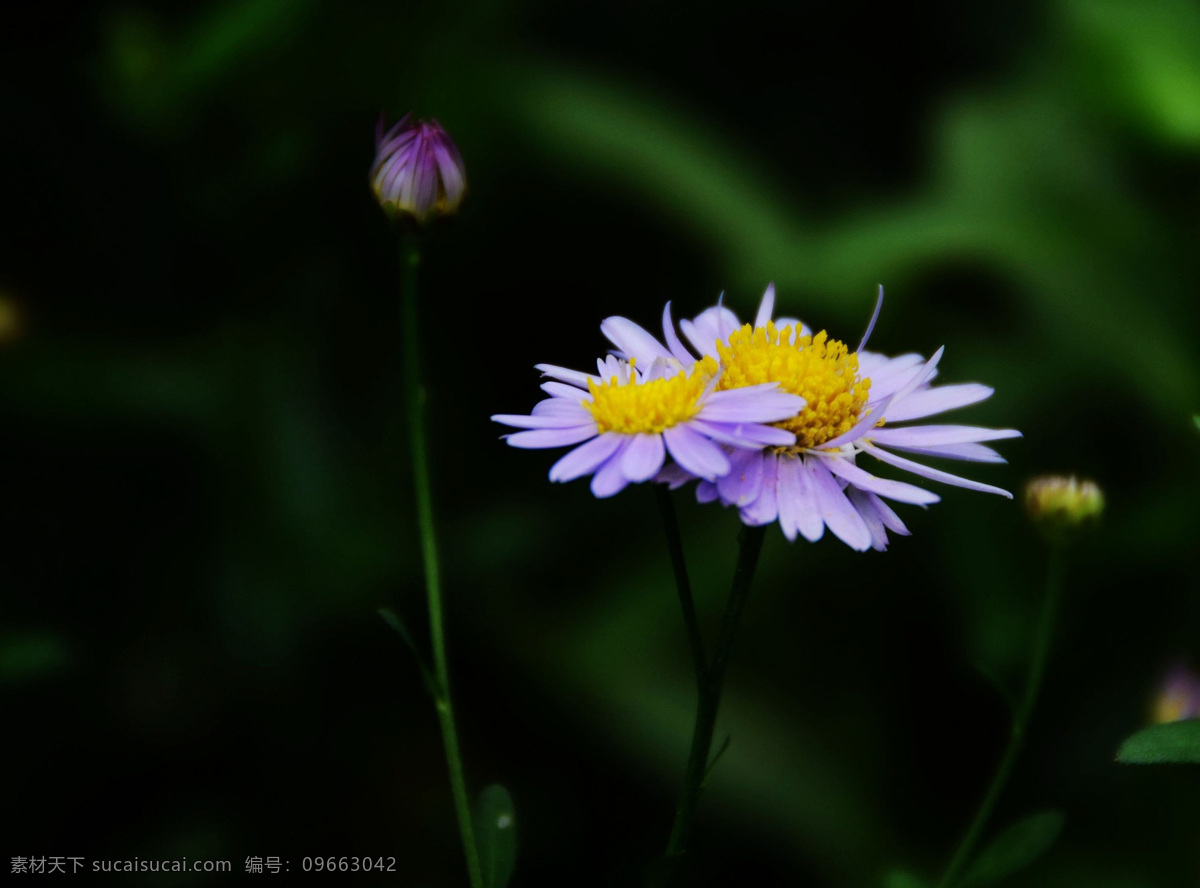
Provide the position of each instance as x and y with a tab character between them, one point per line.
427	677
410	259
750	540
666	507
1021	717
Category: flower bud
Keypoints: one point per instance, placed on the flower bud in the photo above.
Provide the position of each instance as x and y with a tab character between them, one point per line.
418	173
1061	506
1178	696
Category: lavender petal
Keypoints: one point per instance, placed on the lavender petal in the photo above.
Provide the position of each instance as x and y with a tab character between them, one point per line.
608	479
766	308
926	472
681	354
753	403
879	537
897	490
552	437
744	435
764	509
838	513
695	453
928	402
633	340
586	457
744	481
557	420
968	452
574	377
562	390
922	436
798	509
643	458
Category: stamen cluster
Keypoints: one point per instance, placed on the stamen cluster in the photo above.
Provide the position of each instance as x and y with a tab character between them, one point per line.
819	369
652	406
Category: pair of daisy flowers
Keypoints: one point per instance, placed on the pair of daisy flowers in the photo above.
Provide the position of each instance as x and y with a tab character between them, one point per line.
767	417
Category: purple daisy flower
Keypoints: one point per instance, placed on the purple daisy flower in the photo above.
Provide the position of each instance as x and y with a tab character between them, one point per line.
417	170
852	402
627	421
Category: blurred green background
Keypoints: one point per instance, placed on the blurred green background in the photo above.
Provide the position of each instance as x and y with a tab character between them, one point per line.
207	494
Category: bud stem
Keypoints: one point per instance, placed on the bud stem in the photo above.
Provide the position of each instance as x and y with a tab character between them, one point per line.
1037	670
410	260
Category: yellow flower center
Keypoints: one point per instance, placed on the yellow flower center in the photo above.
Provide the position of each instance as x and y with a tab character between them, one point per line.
649	406
819	369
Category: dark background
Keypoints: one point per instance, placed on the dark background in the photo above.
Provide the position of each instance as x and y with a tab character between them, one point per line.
206	488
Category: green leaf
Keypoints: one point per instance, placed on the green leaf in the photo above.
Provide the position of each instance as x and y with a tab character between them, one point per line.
1159	744
496	835
902	879
1196	420
392	619
1015	848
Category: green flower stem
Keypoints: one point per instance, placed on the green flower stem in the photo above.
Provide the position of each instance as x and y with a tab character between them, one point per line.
1020	722
710	682
666	507
410	260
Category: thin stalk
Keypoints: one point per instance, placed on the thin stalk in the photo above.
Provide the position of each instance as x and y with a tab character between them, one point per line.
666	507
1021	717
750	541
410	260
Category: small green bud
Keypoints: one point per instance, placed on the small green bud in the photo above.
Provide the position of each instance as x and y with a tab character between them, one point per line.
1061	506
